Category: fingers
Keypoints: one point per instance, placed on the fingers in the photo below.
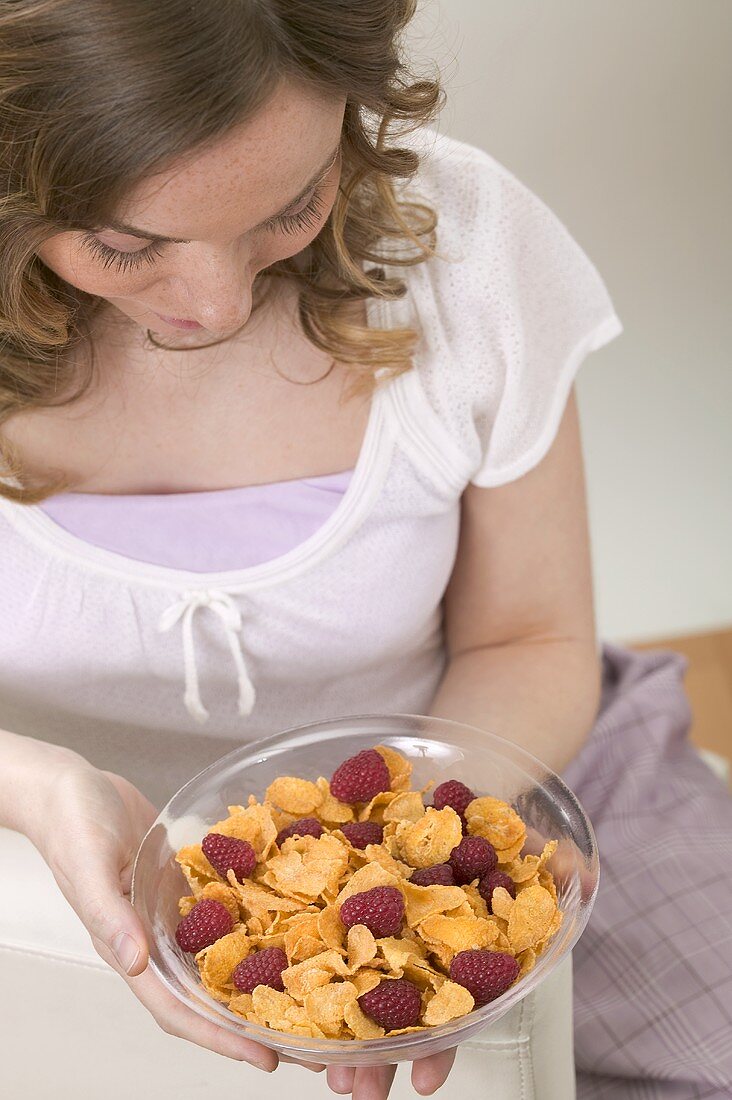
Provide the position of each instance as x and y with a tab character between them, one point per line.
92	887
103	820
177	1019
373	1082
340	1079
428	1074
365	1082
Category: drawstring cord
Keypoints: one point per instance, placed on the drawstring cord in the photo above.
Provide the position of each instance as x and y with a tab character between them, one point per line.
223	606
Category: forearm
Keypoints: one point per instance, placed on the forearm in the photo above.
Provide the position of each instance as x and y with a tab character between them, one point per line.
27	765
542	695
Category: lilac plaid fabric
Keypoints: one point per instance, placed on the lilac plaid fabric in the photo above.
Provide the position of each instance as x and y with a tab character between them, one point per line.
653	969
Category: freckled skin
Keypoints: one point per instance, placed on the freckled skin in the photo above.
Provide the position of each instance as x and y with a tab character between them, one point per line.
215	199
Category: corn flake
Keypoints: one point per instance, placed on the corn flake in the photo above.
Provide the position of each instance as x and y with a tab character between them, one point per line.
475	900
330	810
260	902
530	918
374	809
431	839
365	979
220	960
399	951
295	796
307	866
378	853
399	766
497	822
459	933
526	960
501	903
325	1006
330	927
303	977
450	1001
361	946
279	1010
407	806
424	901
522	870
196	868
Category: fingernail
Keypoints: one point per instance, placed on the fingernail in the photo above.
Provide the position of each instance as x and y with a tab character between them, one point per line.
126	951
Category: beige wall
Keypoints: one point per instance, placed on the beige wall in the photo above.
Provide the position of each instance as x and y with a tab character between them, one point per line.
616	113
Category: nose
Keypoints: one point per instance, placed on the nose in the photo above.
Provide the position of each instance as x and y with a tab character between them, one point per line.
218	286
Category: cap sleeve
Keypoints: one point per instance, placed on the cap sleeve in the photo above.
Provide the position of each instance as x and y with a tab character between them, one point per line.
526	307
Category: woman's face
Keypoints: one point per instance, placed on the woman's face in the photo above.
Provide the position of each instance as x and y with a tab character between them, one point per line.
260	195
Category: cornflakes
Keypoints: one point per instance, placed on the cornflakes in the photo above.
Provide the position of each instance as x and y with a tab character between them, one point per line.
293	897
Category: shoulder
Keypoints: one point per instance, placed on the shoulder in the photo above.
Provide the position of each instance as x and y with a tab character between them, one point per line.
459	180
509	308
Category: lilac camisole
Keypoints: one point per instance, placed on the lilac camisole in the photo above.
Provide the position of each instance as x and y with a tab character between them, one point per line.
206	532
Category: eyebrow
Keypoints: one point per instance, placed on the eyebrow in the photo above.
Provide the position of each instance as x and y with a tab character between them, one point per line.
120	227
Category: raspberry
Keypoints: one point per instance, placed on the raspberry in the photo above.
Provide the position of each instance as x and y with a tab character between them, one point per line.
361	833
226	853
306	826
207	922
452	793
393	1003
261	968
471	858
488	883
485	974
360	777
381	909
439	874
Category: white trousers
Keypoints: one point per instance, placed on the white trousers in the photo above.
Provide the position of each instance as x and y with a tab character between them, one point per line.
72	1030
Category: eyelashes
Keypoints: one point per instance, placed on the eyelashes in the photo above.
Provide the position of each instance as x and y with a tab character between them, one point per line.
306	219
126	261
122	261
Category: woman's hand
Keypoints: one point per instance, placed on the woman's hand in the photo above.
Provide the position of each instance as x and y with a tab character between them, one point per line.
98	820
374	1082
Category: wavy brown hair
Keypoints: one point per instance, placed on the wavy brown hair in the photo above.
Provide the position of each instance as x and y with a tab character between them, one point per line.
96	95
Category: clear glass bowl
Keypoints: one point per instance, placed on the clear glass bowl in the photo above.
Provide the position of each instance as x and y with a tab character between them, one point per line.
438	750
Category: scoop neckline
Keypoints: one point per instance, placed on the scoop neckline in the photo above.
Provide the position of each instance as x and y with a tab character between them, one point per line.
184	493
367	477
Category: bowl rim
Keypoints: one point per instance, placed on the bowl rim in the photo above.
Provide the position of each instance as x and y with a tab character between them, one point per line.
221	1015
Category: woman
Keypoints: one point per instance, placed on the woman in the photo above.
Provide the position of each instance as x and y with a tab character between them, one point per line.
276	450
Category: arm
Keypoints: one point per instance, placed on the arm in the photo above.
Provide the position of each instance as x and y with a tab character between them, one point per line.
26	767
87	825
519	618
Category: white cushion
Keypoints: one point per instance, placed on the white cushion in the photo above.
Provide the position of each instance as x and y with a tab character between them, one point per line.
68	1018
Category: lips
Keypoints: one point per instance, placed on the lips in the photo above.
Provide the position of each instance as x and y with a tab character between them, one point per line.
179	322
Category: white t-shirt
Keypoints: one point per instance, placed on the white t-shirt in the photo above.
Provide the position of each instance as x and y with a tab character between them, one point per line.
154	672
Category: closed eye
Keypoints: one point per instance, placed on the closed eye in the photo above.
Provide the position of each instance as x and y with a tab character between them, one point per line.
126	261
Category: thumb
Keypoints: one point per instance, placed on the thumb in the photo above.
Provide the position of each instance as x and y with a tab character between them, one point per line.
114	926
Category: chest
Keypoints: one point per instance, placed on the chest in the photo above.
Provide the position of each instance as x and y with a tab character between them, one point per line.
351	622
156	421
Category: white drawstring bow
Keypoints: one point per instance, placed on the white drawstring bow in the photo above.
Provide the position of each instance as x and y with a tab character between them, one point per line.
229	614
